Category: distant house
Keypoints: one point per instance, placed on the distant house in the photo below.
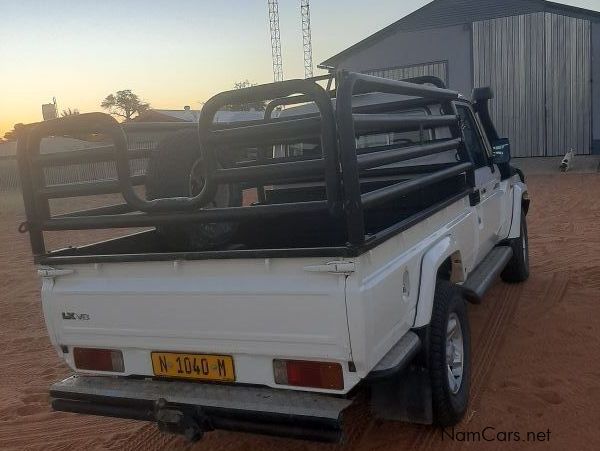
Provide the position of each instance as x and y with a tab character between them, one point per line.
149	139
189	115
155	115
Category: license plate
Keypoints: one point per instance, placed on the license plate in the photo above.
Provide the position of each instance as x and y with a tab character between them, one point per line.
205	367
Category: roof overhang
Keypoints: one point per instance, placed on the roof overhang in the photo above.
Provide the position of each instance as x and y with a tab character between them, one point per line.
403	26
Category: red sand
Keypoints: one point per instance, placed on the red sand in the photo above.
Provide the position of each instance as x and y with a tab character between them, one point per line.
536	352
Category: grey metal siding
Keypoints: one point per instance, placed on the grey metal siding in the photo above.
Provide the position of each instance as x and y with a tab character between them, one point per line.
568	85
596	85
445	13
539	66
450	44
437	69
508	56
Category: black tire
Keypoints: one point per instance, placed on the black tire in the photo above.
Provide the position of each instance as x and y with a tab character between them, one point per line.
517	269
169	172
449	403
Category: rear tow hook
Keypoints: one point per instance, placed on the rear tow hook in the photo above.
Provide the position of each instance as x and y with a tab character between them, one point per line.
191	425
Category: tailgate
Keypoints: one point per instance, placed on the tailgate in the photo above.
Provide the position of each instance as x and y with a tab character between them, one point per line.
252	309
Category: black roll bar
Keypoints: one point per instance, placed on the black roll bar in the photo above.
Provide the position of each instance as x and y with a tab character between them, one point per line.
350	125
395	155
381	123
92	122
374	198
328	134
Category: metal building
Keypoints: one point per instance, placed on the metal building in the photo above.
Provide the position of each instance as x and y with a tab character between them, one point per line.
541	58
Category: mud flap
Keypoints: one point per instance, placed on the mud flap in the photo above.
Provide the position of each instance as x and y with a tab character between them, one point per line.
405	396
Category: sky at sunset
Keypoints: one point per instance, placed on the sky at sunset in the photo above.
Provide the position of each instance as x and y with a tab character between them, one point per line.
171	53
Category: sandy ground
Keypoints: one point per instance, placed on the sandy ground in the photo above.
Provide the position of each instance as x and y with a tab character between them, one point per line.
536	351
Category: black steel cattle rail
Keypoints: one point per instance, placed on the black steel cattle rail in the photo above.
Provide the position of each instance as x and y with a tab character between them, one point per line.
351	124
341	167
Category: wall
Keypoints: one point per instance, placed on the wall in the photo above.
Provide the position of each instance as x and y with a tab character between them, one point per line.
452	44
596	84
75	173
508	55
568	85
539	66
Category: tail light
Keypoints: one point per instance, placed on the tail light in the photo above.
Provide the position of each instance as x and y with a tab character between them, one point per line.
305	373
99	359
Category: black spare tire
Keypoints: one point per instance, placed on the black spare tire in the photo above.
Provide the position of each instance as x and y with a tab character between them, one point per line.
175	170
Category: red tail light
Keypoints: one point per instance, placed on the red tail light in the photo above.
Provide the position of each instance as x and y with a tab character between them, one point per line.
99	359
304	373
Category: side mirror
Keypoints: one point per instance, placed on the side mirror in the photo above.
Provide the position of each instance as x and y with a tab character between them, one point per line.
501	149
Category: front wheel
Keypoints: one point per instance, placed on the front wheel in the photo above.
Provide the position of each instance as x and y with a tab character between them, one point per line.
449	355
517	269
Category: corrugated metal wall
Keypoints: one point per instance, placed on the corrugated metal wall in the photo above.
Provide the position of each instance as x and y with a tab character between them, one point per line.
539	67
437	69
508	55
568	84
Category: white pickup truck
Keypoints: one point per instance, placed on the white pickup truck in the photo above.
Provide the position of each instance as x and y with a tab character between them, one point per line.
381	208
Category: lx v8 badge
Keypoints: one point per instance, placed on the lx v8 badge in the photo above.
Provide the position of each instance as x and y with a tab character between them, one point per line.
75	316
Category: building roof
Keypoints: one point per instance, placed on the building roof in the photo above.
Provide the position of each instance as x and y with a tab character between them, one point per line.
444	13
155	115
188	115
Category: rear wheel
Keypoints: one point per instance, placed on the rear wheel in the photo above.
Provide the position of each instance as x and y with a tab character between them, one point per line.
517	269
449	355
175	170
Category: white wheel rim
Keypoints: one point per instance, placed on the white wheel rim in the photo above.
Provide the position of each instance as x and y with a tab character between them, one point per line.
454	353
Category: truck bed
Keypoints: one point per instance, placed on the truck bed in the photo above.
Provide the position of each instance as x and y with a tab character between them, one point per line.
291	235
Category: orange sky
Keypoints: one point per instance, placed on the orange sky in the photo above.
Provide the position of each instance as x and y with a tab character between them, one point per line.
79	52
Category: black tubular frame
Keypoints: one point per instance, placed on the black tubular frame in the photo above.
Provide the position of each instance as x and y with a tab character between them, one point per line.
272	132
341	167
350	125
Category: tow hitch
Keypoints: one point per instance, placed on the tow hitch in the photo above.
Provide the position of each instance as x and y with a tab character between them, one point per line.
191	422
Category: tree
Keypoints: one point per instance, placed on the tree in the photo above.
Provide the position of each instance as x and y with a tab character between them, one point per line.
69	112
124	104
258	106
12	134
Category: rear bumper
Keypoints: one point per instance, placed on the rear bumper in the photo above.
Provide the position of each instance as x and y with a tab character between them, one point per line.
192	409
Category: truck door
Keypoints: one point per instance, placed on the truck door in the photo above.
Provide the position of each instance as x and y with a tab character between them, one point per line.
488	190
